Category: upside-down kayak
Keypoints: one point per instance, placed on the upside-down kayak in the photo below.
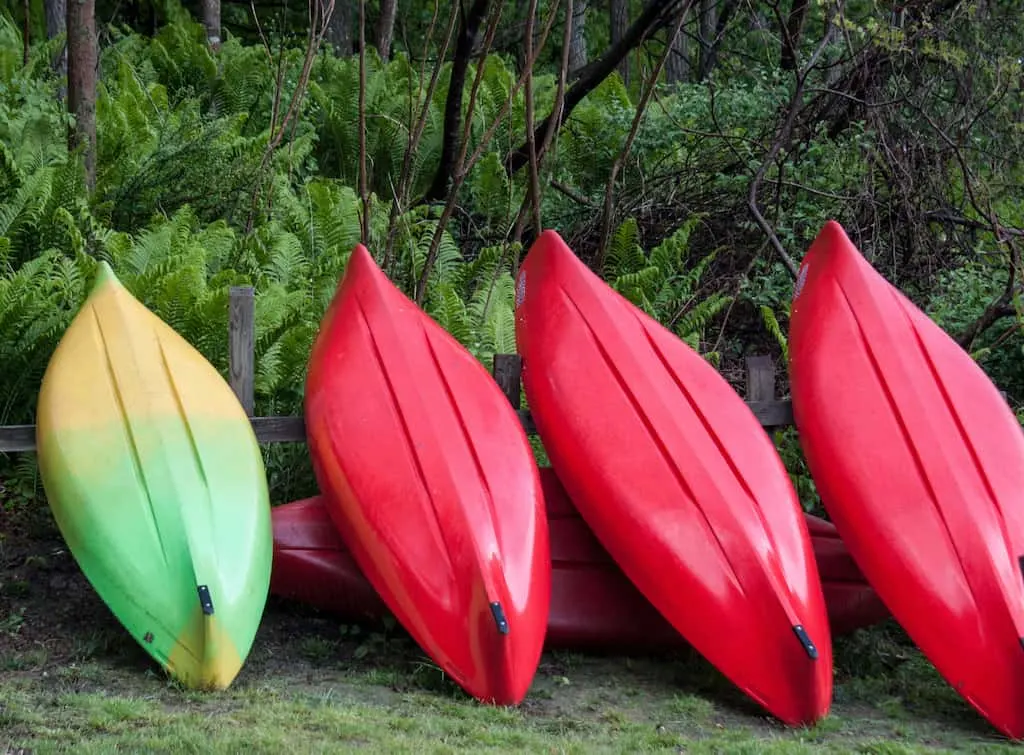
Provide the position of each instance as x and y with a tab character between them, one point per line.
429	477
920	464
156	481
593	605
677	479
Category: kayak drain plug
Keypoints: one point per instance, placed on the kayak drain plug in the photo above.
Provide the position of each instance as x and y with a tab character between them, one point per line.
805	640
205	601
499	617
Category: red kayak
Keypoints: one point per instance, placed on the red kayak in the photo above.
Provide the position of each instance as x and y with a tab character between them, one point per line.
678	481
429	478
593	605
920	463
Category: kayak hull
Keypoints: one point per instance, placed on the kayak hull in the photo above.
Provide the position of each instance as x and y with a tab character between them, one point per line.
678	481
593	605
430	480
920	464
156	481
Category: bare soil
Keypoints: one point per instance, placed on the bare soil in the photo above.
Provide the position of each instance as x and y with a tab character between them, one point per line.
58	639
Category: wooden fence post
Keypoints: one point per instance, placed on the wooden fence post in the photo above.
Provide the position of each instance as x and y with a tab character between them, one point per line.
242	345
769	411
507	370
760	378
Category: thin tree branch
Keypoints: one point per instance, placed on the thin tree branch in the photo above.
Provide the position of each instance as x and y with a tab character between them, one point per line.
453	106
535	193
998	309
405	179
467	166
656	14
26	34
563	75
944	216
641	109
572	194
782	140
320	12
531	137
364	218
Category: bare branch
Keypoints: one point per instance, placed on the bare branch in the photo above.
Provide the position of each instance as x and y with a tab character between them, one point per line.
998	309
453	106
531	145
572	194
535	193
641	109
401	194
319	21
364	222
944	216
467	165
26	34
781	141
656	14
792	32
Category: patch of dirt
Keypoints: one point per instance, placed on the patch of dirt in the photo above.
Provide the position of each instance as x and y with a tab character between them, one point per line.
47	605
44	598
51	619
53	625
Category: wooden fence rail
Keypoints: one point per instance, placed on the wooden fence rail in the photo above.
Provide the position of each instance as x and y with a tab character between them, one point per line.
770	411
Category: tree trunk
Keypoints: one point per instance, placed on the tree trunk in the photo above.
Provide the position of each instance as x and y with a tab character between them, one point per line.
386	27
56	12
708	21
211	20
451	140
619	13
578	40
714	17
793	33
677	64
339	29
82	60
518	36
656	15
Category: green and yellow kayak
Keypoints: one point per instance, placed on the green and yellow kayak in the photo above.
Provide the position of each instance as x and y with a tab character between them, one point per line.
156	481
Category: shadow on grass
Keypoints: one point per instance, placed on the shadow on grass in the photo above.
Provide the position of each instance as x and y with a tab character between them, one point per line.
881	667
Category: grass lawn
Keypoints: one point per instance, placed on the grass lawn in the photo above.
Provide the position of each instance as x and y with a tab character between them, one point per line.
71	680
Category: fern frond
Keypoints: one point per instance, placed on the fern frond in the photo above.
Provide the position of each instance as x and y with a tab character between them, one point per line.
771	323
624	254
696	321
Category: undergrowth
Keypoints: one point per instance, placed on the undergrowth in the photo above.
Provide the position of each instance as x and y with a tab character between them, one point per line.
189	202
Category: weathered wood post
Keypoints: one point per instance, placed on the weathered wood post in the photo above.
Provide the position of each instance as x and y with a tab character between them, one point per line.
761	393
507	370
242	345
760	379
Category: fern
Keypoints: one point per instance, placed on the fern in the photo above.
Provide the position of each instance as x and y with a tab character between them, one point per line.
772	325
660	283
185	208
494	311
37	302
625	256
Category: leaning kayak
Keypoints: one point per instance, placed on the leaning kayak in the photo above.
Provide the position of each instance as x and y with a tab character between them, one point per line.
677	479
593	605
430	479
920	464
156	481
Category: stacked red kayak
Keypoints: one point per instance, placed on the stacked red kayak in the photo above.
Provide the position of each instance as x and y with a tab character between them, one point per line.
678	481
920	463
593	605
429	478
